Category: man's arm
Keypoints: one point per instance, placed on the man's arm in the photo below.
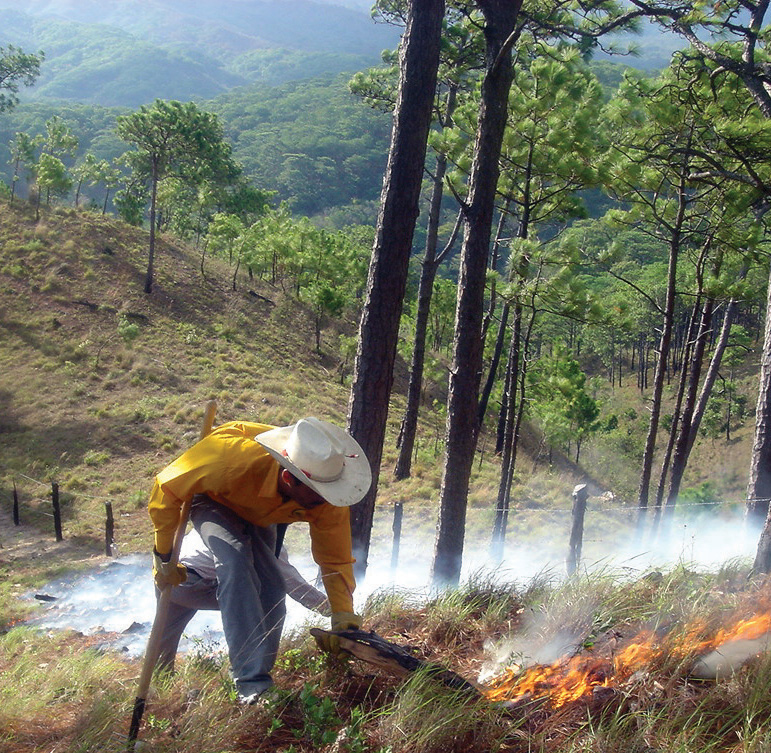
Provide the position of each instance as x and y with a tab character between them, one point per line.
299	589
331	548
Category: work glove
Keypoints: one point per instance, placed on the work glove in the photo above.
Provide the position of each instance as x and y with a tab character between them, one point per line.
341	621
167	573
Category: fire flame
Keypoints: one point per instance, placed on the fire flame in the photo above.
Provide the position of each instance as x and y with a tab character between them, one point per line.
570	678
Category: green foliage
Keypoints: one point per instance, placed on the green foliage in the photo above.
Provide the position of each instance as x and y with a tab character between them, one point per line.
17	68
705	493
320	719
179	143
172	135
130	203
59	139
310	142
96	457
553	134
52	177
106	65
274	67
22	149
442	317
127	330
564	410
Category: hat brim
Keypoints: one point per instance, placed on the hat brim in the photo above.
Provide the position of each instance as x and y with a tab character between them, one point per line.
345	491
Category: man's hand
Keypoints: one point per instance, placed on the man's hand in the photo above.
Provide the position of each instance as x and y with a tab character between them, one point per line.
166	573
341	621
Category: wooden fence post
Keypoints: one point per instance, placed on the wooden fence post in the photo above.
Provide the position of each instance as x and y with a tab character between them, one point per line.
580	494
57	511
15	505
397	529
109	529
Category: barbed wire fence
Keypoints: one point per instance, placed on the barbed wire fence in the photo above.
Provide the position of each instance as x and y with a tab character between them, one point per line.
606	515
40	494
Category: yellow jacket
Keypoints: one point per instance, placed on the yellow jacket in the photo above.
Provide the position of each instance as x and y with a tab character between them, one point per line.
234	470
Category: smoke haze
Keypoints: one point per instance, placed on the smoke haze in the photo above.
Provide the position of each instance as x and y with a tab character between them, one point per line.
118	598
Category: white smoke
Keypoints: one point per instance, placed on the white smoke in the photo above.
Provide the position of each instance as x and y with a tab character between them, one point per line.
118	597
117	600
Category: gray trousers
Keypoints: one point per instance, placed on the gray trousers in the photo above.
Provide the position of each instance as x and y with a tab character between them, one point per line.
249	592
186	599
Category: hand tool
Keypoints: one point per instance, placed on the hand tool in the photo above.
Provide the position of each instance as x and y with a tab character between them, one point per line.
162	608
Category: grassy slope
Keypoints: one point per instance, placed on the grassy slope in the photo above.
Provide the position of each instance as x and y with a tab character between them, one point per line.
100	415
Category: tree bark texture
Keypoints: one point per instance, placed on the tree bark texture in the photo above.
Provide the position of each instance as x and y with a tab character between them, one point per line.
508	457
465	374
379	326
661	362
425	291
759	487
673	434
682	446
516	372
495	360
151	253
714	368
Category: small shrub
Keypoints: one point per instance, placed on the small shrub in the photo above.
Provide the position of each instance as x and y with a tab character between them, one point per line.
96	457
128	330
75	483
296	659
33	246
320	718
138	499
705	493
166	442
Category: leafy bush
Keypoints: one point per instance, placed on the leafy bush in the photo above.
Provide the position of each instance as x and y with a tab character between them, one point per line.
128	330
704	494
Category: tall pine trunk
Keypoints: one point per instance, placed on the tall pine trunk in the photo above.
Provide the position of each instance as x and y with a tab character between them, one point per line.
379	326
151	253
682	447
500	338
462	406
430	264
661	361
673	432
714	367
515	406
759	487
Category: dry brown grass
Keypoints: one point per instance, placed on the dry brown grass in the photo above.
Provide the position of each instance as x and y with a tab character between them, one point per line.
61	695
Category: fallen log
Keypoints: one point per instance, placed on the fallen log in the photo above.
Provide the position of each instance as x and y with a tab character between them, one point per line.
375	650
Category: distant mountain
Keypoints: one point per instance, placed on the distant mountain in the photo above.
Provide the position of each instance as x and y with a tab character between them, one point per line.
106	66
227	26
128	52
652	47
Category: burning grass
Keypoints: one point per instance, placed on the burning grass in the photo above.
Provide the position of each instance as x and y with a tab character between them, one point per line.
662	643
625	685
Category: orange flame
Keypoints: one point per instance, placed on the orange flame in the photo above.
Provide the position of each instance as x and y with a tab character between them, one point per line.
571	678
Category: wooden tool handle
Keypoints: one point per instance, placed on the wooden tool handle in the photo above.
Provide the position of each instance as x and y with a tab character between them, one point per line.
164	602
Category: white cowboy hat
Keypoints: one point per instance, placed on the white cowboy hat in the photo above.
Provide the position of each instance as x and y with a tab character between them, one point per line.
322	456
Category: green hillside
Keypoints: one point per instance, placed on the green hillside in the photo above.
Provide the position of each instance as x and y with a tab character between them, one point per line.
121	54
233	25
312	142
103	383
